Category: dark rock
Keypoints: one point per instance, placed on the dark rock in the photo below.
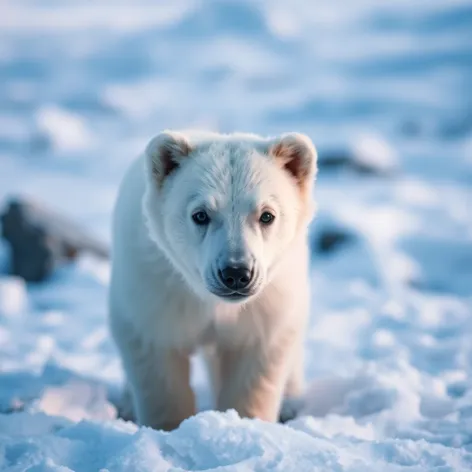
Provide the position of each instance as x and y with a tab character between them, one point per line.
40	240
334	159
368	155
343	159
331	239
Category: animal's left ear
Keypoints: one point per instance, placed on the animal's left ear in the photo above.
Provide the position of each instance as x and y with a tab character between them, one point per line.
165	153
296	154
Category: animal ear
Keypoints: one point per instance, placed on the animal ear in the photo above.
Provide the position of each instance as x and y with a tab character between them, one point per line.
165	153
296	154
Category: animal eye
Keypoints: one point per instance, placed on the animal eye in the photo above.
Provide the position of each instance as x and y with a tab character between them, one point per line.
267	218
201	218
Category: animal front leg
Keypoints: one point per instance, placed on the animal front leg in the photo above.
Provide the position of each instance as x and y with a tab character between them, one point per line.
293	400
253	380
161	390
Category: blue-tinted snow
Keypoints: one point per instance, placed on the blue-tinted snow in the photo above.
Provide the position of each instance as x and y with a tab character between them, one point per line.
389	347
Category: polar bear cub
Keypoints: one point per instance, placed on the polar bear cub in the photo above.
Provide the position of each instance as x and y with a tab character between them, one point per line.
210	250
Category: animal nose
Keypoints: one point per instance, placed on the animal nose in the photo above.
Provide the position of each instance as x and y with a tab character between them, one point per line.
236	278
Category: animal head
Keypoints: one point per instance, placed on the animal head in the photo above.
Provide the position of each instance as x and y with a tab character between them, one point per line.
225	208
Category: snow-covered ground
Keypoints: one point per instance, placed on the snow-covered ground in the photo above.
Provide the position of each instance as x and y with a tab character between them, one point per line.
83	87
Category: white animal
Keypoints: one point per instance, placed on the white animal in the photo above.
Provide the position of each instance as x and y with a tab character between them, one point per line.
210	250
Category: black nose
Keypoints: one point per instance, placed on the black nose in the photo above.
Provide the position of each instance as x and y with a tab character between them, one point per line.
236	278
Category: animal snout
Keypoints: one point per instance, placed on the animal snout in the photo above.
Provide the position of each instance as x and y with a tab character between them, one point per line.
236	277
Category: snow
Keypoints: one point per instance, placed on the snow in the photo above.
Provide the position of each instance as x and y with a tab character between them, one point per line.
389	344
65	130
13	296
213	441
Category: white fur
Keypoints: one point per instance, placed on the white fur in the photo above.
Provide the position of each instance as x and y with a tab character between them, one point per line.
161	303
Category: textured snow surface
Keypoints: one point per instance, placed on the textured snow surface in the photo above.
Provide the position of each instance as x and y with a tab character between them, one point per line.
84	85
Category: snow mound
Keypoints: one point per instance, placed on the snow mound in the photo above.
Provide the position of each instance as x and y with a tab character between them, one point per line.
209	441
386	86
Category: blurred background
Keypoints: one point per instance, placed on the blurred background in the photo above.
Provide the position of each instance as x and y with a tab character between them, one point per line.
384	91
84	86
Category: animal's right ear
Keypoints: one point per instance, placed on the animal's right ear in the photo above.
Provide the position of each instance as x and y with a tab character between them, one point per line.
165	153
